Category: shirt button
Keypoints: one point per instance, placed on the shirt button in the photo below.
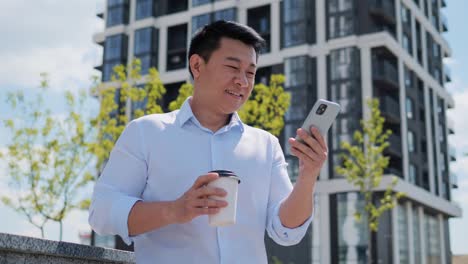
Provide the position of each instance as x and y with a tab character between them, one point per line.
285	234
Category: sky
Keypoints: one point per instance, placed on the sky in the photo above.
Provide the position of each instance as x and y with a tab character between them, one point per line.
56	38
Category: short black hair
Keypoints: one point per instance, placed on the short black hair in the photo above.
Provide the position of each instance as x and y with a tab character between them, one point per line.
207	39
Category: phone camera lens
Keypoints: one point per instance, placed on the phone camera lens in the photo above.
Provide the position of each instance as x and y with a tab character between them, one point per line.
321	109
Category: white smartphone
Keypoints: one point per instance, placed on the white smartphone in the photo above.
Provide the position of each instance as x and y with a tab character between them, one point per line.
321	116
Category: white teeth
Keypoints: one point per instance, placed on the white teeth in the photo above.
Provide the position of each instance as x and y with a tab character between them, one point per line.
233	93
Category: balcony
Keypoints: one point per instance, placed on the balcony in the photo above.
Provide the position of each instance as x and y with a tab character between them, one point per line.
383	10
454	180
393	171
452	152
390	109
386	74
447	74
395	145
444	22
443	3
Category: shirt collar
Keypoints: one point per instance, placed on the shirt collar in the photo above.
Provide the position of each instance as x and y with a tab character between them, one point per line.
185	114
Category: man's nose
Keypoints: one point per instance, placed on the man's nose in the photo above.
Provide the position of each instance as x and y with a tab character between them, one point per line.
241	80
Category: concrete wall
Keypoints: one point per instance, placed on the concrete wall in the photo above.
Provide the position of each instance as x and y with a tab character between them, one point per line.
20	249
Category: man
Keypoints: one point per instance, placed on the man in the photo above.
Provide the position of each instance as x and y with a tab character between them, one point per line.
153	189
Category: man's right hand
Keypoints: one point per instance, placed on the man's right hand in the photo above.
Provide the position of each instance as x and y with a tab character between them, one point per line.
148	216
196	201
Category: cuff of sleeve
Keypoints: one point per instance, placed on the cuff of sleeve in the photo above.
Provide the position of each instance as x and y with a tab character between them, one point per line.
293	235
120	212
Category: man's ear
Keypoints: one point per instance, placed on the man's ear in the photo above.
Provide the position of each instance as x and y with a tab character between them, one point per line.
195	63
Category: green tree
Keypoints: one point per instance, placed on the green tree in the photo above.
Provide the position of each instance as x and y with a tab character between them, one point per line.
48	162
265	108
267	105
113	117
363	166
185	91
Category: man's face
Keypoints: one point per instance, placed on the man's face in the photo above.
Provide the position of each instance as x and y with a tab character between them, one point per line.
227	79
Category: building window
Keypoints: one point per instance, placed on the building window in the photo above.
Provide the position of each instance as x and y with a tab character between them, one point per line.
199	21
177	47
202	2
412	173
352	235
411	145
298	70
409	108
416	236
146	48
117	12
259	19
419	47
176	6
433	245
343	74
115	53
406	29
340	18
403	243
145	8
297	21
407	43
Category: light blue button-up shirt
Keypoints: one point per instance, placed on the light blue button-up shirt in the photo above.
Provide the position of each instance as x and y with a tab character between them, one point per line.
158	157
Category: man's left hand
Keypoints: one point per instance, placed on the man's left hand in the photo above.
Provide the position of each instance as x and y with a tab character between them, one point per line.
312	153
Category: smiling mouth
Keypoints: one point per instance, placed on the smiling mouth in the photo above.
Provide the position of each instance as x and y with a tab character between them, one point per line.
234	93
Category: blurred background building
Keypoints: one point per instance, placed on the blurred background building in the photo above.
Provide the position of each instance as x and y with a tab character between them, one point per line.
346	51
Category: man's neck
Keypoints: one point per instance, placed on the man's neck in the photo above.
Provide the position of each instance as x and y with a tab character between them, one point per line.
207	118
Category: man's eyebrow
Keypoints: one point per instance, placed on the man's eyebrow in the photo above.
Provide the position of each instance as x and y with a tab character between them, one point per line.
239	61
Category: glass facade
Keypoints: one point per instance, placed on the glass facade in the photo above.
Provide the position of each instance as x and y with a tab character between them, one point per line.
352	235
411	141
146	48
301	84
434	58
344	88
419	45
433	242
341	18
176	47
117	12
406	29
409	108
383	16
199	21
202	2
115	53
259	19
435	14
412	173
145	8
416	236
403	243
435	165
298	22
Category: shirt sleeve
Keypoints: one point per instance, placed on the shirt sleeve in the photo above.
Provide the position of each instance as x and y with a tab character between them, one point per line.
120	185
280	187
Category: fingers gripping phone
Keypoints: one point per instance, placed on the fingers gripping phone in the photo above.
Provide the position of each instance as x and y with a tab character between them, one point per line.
321	116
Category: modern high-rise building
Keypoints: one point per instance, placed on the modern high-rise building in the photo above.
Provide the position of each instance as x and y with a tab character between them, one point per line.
345	51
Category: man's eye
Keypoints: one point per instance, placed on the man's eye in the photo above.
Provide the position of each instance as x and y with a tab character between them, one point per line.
232	67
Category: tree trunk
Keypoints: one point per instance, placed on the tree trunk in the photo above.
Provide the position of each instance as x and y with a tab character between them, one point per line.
61	230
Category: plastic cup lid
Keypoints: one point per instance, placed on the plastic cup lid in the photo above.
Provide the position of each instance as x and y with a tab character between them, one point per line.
227	173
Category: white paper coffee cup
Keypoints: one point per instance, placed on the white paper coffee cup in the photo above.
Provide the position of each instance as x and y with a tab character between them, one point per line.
229	182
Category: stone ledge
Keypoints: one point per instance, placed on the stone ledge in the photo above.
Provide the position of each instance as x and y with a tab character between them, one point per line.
21	249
